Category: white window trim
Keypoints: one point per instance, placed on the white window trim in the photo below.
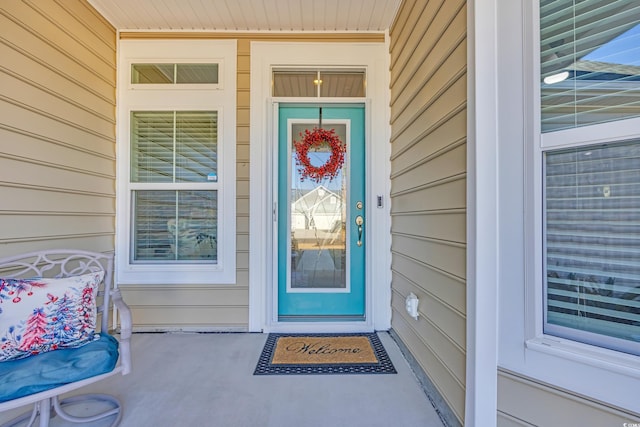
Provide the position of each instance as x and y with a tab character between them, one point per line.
620	130
221	98
606	375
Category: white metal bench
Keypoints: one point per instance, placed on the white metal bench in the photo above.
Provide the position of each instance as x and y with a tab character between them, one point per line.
64	264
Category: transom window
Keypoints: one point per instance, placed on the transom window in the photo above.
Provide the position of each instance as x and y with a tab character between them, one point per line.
178	74
319	84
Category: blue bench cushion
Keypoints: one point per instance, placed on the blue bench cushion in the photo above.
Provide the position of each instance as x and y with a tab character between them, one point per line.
45	371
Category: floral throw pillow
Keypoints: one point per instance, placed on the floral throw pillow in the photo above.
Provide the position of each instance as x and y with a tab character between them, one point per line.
40	315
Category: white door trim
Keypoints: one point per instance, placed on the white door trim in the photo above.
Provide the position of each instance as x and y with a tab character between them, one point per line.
374	58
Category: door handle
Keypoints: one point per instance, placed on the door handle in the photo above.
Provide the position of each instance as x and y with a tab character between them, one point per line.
359	222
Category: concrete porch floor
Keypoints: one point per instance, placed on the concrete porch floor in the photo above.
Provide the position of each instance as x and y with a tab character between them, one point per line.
190	379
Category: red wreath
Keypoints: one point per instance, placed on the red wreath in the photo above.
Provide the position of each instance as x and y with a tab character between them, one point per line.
316	138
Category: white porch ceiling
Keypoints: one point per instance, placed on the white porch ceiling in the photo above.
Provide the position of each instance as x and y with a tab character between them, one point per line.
249	15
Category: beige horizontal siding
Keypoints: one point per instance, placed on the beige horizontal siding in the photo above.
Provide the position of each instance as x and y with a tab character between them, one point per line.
43	77
20	118
102	32
242	186
58	175
438	136
79	41
437	254
161	296
57	128
505	420
57	106
21	24
446	194
42	200
436	34
26	225
524	402
428	189
449	102
164	307
447	322
40	149
442	226
432	169
450	289
206	317
403	24
440	371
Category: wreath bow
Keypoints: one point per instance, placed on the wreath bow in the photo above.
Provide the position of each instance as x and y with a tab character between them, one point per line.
316	138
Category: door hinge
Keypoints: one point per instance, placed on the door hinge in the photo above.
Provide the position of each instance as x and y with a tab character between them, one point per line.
275	211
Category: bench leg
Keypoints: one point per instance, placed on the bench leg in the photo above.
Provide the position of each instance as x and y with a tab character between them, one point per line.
41	409
58	406
46	409
45	412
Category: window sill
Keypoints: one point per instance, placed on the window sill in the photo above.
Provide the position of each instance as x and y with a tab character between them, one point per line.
176	87
176	275
596	357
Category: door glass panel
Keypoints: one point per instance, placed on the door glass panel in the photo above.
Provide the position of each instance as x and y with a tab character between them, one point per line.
318	218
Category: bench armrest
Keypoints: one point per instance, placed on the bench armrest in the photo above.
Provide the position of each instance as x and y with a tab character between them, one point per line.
123	311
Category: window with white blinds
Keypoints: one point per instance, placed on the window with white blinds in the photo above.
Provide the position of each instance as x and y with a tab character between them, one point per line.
590	62
592	253
174	186
590	71
176	195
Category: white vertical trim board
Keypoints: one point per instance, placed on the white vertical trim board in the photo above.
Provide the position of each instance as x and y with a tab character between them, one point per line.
482	220
374	58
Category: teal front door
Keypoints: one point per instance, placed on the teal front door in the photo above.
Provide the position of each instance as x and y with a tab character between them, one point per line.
321	213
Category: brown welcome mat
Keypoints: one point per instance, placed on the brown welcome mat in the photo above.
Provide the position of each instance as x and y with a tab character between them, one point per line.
324	354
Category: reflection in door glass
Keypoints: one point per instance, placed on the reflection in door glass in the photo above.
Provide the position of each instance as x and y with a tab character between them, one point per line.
318	217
